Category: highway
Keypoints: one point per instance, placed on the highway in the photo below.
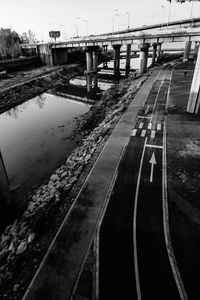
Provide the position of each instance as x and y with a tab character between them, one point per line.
133	257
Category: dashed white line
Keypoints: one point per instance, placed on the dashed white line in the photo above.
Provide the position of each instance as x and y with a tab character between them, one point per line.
149	125
158	126
154	146
134	132
141	125
153	134
143	133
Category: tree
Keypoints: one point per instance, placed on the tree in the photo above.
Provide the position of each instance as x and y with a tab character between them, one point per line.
28	37
9	44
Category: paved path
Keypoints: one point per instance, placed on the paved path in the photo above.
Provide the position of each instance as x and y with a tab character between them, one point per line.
133	257
58	272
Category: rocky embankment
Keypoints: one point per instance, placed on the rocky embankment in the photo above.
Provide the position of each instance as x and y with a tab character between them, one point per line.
20	243
23	92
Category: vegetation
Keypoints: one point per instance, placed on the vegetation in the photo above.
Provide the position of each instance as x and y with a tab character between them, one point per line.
9	44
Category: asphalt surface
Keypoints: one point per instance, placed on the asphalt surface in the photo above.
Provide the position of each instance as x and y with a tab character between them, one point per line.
133	259
183	174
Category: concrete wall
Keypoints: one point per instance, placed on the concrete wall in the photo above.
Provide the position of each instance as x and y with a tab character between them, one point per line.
18	63
60	56
45	55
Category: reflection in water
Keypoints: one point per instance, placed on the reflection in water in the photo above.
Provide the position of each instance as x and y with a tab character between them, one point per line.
34	137
40	101
14	112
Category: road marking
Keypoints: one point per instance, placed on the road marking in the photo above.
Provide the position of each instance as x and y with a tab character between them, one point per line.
170	251
134	132
158	126
147	109
143	133
141	117
100	219
141	125
156	100
149	125
137	279
152	162
153	134
154	146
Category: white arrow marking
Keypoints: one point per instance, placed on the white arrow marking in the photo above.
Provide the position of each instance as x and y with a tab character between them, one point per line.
152	162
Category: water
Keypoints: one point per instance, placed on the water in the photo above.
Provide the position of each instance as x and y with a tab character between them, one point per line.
34	137
82	82
134	64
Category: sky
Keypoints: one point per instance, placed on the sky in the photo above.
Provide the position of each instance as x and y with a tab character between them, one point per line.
88	16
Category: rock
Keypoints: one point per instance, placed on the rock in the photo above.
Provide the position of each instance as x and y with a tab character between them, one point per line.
31	237
21	248
15	287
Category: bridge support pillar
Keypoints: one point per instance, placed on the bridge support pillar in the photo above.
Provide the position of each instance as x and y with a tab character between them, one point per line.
196	48
187	51
4	188
194	97
91	72
144	49
89	69
95	64
105	52
128	59
117	60
159	46
154	54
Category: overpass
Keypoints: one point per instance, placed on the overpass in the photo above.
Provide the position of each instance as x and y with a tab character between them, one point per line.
57	52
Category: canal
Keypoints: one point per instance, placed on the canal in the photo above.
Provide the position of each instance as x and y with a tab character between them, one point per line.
35	137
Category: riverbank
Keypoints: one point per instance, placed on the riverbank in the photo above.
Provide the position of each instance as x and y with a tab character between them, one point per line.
24	243
22	86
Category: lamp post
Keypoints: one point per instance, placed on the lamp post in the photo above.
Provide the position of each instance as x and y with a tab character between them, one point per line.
51	28
163	15
85	21
77	25
191	10
64	31
170	6
128	19
118	21
114	11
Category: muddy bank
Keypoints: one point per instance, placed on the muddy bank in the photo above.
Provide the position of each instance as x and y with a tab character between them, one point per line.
24	242
20	93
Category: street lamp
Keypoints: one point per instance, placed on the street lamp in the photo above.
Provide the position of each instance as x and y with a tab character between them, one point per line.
77	25
118	21
128	19
170	6
163	15
191	10
85	21
114	11
64	31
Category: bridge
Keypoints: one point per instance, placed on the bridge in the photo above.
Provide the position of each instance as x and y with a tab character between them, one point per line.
56	53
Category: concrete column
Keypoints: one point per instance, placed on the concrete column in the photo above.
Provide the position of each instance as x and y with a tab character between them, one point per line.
89	60
117	60
154	54
144	49
105	52
88	71
95	65
196	48
4	187
128	59
159	45
194	97
187	51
